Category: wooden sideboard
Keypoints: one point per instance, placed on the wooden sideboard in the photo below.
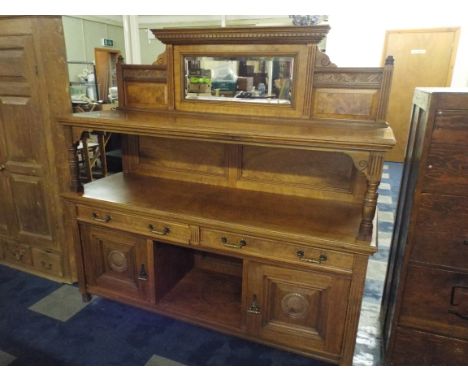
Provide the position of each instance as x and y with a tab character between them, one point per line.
425	308
255	218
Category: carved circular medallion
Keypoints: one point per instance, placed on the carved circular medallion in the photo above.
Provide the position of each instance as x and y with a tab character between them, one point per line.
295	305
117	261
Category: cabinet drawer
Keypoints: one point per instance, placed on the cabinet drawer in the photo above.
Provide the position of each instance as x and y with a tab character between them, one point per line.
271	249
47	261
447	169
436	300
441	248
155	227
16	253
451	127
443	214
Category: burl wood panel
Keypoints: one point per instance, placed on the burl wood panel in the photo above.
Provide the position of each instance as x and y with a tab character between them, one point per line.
146	96
345	103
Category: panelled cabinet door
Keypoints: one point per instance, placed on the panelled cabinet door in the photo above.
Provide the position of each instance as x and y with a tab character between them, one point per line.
24	161
302	309
117	264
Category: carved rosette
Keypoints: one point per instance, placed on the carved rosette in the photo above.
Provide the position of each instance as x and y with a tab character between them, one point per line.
117	261
295	305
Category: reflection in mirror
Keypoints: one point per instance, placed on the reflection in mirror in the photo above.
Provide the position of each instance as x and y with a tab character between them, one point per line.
240	79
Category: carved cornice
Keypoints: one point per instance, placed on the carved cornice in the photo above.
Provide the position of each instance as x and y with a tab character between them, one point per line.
254	35
343	78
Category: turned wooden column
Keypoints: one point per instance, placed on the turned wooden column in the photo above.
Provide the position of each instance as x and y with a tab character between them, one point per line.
75	183
373	171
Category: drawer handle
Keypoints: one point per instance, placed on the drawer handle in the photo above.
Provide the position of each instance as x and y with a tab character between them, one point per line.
19	256
142	275
2	167
162	232
321	259
459	311
242	243
46	265
105	219
254	307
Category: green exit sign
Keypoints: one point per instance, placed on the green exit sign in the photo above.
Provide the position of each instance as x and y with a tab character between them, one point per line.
107	42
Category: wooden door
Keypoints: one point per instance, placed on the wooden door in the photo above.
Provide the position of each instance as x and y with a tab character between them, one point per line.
302	309
22	144
117	264
423	57
106	70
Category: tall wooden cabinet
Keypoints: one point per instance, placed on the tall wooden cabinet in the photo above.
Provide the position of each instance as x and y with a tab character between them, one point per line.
426	295
250	211
33	160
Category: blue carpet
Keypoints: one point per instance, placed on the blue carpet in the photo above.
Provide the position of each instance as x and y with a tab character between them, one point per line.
109	333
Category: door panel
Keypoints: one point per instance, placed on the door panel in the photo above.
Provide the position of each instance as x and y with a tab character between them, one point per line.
25	204
30	207
302	309
117	264
422	58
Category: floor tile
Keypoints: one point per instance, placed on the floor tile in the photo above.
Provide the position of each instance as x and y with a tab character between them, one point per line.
386	216
157	360
385	186
62	304
385	199
385	175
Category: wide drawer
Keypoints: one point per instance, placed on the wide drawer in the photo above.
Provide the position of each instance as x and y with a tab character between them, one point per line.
154	227
443	214
436	300
275	250
441	248
451	127
447	169
419	348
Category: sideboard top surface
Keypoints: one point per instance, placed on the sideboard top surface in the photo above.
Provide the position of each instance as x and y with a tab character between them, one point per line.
287	133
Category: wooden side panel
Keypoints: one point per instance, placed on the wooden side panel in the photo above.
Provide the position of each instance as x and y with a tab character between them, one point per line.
146	96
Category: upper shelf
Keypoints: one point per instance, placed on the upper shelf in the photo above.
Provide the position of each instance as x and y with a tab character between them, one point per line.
312	134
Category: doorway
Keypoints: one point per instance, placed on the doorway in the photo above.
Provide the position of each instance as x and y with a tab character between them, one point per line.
423	58
106	72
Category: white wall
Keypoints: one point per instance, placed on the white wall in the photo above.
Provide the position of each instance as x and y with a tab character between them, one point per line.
354	42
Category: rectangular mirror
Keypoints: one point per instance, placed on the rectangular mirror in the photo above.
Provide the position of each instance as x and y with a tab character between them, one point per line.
265	80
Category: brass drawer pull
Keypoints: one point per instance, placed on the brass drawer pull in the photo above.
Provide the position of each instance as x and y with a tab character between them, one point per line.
321	259
46	265
105	219
2	167
19	256
242	243
163	232
254	307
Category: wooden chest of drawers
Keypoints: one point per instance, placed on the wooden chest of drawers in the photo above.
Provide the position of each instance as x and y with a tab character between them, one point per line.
426	295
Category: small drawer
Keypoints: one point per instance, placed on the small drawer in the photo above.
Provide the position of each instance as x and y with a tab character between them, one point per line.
436	300
103	216
275	250
16	253
164	230
47	261
155	228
